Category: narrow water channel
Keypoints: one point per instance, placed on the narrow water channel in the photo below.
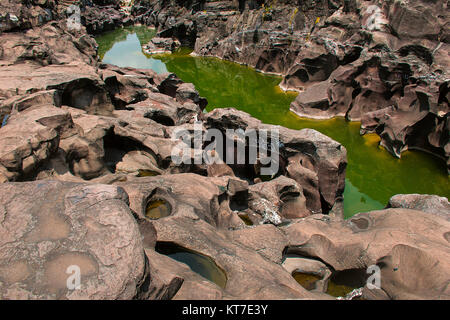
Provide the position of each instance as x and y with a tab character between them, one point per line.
373	175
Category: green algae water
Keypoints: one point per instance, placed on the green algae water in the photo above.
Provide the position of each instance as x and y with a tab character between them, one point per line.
157	209
203	265
373	175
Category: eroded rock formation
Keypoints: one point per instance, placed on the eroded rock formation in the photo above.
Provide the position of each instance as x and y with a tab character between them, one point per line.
88	180
50	228
410	262
384	63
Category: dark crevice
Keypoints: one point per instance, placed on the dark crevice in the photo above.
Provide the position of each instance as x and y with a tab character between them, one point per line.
161	118
326	207
352	56
239	201
79	94
115	147
420	52
443	92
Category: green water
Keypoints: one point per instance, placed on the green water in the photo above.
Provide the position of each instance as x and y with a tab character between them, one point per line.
157	209
373	175
201	264
306	280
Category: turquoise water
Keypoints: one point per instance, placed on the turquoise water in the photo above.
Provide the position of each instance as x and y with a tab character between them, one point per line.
373	175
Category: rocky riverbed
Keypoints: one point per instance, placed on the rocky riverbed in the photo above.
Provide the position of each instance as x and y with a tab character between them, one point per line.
87	180
384	63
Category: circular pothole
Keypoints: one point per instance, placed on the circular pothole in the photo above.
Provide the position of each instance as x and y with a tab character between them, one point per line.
361	223
306	280
157	208
199	263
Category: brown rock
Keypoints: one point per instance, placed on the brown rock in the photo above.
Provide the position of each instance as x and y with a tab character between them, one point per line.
427	203
63	225
321	155
397	240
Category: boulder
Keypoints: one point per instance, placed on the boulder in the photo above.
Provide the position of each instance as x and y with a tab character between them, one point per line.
161	46
30	138
427	203
319	155
54	231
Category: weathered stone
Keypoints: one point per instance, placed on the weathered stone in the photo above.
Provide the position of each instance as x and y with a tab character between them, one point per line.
321	155
427	203
397	240
161	46
350	58
52	228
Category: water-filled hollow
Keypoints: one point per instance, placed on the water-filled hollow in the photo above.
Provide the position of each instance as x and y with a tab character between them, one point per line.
199	263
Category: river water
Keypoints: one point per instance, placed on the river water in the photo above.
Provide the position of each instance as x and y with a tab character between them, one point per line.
373	175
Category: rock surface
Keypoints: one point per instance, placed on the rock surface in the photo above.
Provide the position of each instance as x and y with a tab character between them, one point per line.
161	46
50	228
204	211
412	260
428	203
316	162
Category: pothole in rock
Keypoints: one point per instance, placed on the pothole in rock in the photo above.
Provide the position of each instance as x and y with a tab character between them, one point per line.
343	282
264	178
199	263
161	118
245	172
244	217
147	173
157	209
117	148
447	236
306	280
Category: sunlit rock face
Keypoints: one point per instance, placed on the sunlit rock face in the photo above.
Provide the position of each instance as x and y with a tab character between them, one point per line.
428	203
